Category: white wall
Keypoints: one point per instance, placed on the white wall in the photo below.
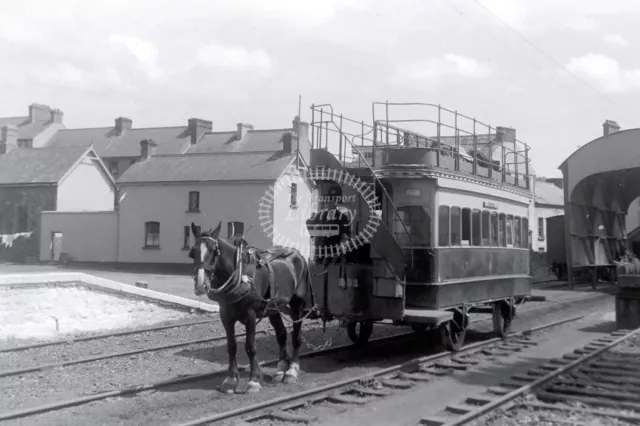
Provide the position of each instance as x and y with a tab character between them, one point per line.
86	236
168	205
86	188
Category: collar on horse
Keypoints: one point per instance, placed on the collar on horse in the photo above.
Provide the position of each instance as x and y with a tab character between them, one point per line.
233	289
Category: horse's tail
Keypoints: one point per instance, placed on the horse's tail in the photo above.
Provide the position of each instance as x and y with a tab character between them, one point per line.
310	282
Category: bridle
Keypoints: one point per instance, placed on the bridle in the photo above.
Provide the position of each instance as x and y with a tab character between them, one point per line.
237	272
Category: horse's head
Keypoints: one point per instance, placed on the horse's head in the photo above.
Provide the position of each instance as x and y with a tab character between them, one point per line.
205	254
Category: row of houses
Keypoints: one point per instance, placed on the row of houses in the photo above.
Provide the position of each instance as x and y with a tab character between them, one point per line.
127	196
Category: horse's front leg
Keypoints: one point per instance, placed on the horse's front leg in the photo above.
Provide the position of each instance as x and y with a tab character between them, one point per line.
255	375
291	376
231	381
281	338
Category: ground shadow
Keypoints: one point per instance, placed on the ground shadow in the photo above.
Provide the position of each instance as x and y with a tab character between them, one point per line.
603	327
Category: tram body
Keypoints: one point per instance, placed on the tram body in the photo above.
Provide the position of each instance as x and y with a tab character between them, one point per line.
447	242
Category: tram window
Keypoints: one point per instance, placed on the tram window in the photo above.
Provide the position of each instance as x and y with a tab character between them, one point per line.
494	229
486	228
502	230
475	228
509	233
417	222
455	226
525	232
517	233
466	227
443	226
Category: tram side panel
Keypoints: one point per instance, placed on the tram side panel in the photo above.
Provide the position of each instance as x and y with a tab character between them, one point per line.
481	252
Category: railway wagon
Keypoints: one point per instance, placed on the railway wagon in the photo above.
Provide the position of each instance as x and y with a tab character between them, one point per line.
436	230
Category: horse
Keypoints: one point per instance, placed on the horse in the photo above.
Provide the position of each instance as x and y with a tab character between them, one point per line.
256	283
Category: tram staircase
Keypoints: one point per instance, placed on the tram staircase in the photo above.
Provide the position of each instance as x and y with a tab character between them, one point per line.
388	258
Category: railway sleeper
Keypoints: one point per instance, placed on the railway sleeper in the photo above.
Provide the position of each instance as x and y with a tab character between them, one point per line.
605	378
603	363
572	390
499	390
478	400
349	399
371	392
610	371
434	421
445	365
564	398
417	377
595	412
435	372
522	378
459	409
397	383
284	416
574	381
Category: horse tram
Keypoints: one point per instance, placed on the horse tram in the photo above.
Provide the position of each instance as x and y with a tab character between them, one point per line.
439	223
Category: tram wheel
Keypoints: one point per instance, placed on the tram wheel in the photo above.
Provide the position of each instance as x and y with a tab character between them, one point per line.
502	315
451	334
360	332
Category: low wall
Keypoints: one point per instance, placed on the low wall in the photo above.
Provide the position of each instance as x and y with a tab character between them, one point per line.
25	280
86	236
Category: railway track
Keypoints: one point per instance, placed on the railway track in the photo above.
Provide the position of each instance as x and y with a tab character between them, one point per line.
132	390
593	381
369	387
84	360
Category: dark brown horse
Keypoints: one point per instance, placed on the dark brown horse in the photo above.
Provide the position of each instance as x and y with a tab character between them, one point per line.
248	284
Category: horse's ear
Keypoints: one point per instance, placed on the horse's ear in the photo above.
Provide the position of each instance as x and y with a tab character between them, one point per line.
192	254
195	230
216	231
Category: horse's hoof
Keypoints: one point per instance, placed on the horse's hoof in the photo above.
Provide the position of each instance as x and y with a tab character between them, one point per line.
253	387
229	386
278	376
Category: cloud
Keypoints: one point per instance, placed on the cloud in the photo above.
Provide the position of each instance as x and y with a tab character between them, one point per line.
145	51
450	65
64	74
235	58
581	23
616	40
605	72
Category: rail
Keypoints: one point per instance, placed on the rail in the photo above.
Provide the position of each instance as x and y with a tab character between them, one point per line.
345	136
461	138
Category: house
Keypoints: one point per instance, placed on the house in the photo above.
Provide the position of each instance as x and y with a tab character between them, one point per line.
223	178
549	201
45	179
118	146
31	131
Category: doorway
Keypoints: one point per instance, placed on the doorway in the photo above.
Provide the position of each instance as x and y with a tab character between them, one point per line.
56	246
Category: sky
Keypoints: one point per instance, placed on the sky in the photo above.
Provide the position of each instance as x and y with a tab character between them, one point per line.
552	69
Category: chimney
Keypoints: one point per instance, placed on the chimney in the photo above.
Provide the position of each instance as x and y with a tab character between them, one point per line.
197	128
56	116
287	142
9	139
147	149
610	126
242	130
123	124
296	126
39	112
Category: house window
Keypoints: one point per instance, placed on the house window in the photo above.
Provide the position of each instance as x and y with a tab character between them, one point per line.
152	234
541	228
22	219
194	201
186	241
113	168
25	143
294	195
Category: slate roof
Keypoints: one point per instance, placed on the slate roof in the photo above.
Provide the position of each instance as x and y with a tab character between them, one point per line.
549	194
208	167
107	143
253	141
37	165
26	129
